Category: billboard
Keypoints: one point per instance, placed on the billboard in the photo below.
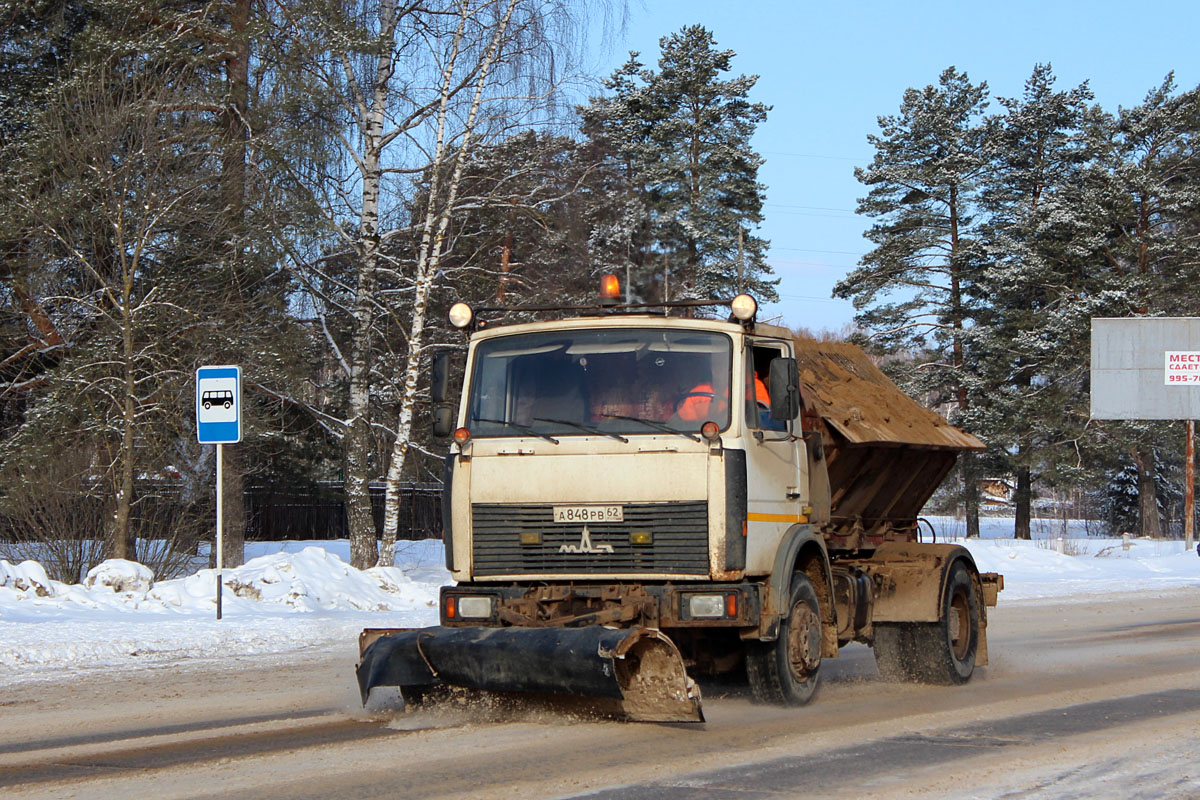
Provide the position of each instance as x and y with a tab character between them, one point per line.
1146	368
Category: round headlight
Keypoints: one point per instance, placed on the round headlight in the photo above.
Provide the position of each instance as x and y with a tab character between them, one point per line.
461	315
743	307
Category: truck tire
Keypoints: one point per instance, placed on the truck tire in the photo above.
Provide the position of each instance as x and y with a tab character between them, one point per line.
940	652
786	671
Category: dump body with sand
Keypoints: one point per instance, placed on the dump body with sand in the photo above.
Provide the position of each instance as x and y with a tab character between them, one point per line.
635	499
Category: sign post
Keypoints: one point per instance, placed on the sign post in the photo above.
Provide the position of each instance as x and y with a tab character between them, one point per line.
1182	368
219	422
1189	495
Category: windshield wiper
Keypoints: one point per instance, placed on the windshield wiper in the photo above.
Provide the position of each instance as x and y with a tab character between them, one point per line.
651	423
582	427
519	427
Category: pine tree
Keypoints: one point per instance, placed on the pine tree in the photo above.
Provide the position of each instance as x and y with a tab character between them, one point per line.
622	240
1149	262
1119	499
530	205
683	135
910	289
1025	374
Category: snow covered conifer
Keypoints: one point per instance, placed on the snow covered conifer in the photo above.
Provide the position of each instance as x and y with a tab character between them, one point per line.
924	190
684	133
1151	249
1038	239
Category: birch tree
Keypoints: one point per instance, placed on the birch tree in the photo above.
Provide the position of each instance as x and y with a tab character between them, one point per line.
415	87
453	152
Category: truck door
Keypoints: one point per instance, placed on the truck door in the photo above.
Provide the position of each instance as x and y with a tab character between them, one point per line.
774	490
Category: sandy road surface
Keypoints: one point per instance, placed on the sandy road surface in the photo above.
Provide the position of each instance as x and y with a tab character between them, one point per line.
1082	699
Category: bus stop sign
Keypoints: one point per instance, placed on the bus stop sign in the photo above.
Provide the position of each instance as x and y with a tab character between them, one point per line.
219	405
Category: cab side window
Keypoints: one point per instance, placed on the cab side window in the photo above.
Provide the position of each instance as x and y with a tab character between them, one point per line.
758	401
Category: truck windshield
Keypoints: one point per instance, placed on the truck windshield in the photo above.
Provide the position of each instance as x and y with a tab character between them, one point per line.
611	381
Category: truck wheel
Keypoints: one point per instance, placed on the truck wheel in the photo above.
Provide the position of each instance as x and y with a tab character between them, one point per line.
939	652
786	671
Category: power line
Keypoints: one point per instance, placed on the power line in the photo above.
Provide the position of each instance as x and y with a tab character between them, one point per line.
815	299
809	208
807	155
811	250
775	213
794	263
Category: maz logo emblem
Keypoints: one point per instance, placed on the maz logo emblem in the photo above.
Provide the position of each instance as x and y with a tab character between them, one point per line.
585	545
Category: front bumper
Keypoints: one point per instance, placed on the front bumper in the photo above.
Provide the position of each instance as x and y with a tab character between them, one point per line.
707	605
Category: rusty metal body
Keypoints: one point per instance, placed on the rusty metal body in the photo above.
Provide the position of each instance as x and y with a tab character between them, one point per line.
885	455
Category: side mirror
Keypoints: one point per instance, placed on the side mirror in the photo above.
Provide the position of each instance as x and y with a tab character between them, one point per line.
440	385
785	389
443	420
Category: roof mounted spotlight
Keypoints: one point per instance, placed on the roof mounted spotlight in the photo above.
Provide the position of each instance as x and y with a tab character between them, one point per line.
743	308
461	315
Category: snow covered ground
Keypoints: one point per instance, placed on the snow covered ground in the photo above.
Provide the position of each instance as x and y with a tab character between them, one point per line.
1063	561
291	596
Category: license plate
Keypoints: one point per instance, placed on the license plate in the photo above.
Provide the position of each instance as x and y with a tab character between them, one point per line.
589	514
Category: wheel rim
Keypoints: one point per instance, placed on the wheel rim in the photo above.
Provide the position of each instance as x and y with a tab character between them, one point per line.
804	642
959	625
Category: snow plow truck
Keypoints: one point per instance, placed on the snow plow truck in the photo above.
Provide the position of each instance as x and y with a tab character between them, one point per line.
634	497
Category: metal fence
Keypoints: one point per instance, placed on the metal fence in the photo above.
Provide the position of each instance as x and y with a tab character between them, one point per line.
273	512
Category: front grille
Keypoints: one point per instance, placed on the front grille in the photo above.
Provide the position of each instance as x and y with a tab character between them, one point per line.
680	544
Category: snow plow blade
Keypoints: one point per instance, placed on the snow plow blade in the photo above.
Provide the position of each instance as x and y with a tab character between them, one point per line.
634	673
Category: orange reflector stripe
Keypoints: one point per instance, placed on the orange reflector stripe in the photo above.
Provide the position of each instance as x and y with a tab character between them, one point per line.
451	607
777	518
731	604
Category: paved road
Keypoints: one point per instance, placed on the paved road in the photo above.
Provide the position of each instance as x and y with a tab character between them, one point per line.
1096	698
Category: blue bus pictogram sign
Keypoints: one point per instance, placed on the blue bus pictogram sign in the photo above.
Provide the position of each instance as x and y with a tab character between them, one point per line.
219	405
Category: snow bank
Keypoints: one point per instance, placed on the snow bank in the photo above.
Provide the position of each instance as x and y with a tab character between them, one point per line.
1036	569
1054	565
310	580
27	579
120	576
283	599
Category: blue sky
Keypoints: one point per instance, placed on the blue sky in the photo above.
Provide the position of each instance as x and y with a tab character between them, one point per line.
830	70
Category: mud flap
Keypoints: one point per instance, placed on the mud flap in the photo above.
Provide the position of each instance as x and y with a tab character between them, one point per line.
638	672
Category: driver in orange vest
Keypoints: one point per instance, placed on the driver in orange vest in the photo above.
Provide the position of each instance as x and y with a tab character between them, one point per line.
761	396
762	399
701	404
